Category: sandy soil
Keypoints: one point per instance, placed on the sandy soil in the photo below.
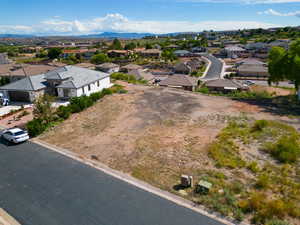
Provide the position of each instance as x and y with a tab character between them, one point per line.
153	133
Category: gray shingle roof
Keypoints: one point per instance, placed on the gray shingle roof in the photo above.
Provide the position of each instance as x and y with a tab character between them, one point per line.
222	83
4	58
179	80
75	77
32	83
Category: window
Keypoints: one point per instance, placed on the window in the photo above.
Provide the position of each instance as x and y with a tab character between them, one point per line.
89	87
98	83
83	90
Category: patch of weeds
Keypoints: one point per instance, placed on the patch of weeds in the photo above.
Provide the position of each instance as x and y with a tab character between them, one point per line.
253	167
286	149
226	154
263	181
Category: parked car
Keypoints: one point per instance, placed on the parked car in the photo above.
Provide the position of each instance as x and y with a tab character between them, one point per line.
249	82
15	135
3	101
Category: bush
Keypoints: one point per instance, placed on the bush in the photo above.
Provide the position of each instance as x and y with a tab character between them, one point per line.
35	127
203	90
107	92
263	181
286	149
96	96
79	104
253	167
226	154
63	112
259	125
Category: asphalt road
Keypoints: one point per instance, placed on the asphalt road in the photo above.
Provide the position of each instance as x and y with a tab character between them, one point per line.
215	70
41	187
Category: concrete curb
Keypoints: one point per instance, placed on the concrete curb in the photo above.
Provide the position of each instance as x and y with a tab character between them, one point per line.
140	184
207	68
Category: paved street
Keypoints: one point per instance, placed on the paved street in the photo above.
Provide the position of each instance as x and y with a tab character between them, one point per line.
215	70
41	187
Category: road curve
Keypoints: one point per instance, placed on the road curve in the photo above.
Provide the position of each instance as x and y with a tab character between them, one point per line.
216	68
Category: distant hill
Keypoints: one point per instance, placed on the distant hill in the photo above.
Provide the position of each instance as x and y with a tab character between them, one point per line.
16	36
118	35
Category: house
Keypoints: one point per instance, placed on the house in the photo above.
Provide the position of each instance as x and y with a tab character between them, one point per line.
198	49
182	53
182	68
234	51
249	61
4	59
85	53
143	75
130	67
86	65
19	71
188	67
180	81
253	70
279	43
150	53
224	85
63	82
108	68
118	53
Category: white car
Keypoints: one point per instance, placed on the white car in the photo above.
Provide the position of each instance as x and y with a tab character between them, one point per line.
15	135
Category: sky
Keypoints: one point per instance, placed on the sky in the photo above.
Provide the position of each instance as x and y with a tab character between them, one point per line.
76	17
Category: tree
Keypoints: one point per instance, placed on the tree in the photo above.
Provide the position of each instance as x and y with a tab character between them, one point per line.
99	58
116	45
168	55
54	53
130	46
285	64
148	46
43	109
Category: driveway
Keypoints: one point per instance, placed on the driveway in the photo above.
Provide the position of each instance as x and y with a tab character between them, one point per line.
39	186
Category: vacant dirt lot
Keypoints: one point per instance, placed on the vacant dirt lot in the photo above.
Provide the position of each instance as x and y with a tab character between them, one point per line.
154	134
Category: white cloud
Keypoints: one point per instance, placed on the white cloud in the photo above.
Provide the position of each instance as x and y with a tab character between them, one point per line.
119	23
276	13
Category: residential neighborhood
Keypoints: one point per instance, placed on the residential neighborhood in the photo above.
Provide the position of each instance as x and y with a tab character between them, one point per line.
155	118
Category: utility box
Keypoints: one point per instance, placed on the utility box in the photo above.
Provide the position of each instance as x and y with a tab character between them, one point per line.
186	181
203	187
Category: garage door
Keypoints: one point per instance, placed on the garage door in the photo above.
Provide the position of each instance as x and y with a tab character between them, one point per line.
19	96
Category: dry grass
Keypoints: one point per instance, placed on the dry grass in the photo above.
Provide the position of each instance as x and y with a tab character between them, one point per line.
158	134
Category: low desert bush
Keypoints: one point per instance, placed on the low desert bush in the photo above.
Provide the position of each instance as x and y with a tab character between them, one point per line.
286	149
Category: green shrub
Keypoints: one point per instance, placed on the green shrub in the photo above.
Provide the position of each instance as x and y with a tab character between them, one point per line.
226	154
203	90
96	96
107	92
286	149
63	112
259	125
35	127
263	181
253	167
78	104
